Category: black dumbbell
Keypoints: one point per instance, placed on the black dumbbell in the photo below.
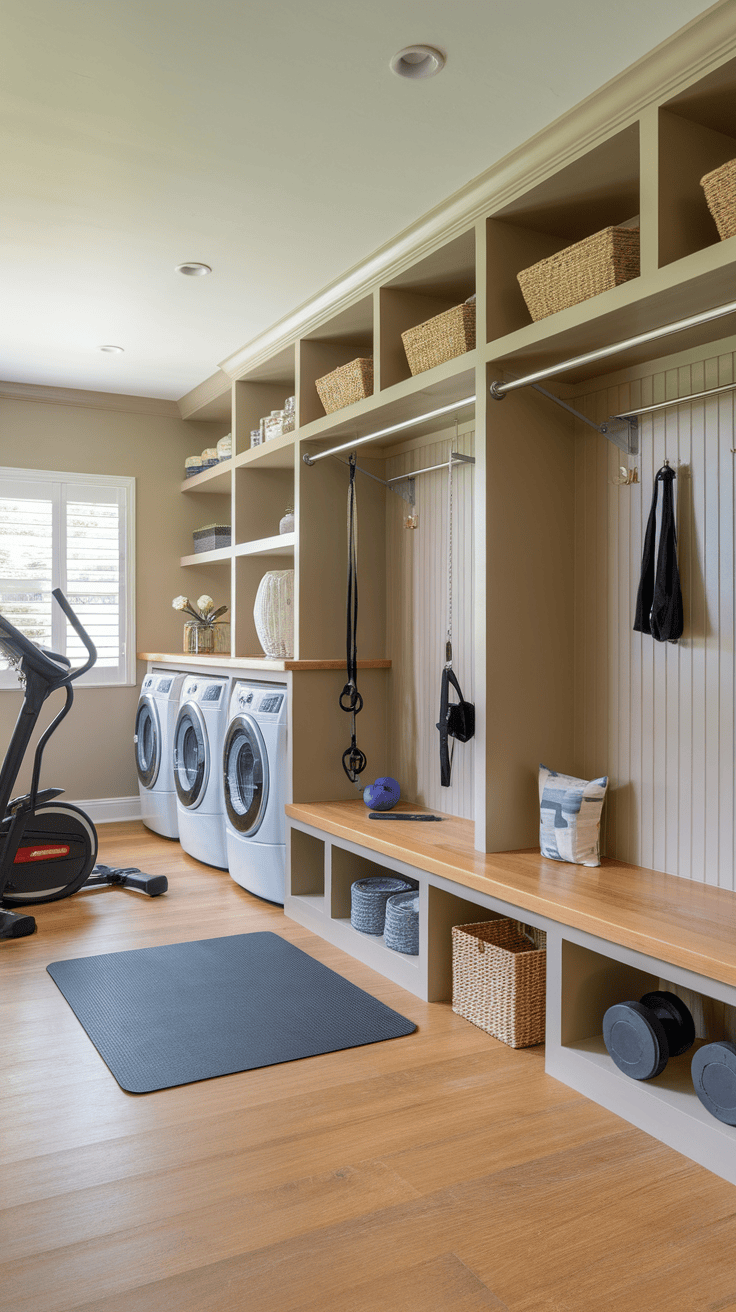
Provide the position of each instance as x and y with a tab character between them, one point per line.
642	1036
714	1077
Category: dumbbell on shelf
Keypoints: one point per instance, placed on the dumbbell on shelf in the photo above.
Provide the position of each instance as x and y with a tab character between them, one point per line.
714	1079
642	1036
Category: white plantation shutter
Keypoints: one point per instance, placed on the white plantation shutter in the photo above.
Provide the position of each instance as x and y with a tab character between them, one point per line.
74	532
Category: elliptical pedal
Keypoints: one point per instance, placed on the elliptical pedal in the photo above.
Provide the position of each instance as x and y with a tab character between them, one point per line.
15	925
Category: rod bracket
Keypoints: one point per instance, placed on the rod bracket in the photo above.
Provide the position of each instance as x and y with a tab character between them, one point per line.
624	433
308	460
497	392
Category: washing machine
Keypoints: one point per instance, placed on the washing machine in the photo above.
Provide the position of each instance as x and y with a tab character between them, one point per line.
255	784
155	720
197	754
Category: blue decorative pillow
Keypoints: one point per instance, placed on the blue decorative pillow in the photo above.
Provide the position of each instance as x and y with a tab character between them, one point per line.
570	817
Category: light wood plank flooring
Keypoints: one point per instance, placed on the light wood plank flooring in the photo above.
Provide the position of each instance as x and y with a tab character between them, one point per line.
442	1172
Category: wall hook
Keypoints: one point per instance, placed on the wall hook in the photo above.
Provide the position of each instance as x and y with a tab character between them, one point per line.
626	477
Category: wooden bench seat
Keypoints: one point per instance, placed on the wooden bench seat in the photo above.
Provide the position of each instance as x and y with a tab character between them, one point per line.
675	920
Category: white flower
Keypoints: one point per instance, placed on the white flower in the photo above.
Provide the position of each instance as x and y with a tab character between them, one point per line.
181	603
205	604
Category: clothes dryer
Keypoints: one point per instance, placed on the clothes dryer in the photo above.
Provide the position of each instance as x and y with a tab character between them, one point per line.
153	739
198	741
256	788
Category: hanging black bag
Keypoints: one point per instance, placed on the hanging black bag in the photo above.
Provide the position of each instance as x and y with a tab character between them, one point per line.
659	599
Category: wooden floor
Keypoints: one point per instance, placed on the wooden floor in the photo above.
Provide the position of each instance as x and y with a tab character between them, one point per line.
442	1172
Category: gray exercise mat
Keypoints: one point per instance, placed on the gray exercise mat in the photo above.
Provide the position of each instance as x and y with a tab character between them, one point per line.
190	1011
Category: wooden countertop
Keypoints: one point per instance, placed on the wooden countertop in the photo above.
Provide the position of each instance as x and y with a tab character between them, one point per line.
254	662
679	921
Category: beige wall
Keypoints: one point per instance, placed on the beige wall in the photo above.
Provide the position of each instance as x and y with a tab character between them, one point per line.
91	755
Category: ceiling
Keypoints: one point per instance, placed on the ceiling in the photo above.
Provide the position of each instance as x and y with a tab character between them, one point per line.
267	138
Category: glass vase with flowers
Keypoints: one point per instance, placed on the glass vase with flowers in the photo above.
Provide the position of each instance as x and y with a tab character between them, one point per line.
204	633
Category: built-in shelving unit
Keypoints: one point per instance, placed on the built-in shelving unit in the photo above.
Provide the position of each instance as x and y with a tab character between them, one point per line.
639	169
612	934
627	156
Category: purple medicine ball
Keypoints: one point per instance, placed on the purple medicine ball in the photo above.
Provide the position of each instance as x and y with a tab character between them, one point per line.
383	794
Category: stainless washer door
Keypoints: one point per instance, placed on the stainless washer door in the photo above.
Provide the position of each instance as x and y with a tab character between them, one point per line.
147	739
245	767
191	756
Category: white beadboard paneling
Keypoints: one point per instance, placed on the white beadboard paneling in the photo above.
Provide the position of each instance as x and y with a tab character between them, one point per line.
417	621
659	717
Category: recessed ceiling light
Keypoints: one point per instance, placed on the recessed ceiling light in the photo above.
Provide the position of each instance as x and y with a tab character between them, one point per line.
193	270
112	350
417	61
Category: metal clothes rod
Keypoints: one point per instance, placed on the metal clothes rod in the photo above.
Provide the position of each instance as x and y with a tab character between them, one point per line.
392	428
680	400
499	390
457	458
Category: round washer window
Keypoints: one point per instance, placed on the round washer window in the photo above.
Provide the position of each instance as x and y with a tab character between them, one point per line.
147	742
190	757
246	775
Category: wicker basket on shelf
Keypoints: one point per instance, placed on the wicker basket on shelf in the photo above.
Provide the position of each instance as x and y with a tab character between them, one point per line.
586	269
499	980
344	386
720	193
441	338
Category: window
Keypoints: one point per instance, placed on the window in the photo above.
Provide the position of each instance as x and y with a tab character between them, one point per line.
74	532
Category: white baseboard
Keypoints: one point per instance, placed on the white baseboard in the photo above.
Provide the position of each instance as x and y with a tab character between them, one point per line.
105	810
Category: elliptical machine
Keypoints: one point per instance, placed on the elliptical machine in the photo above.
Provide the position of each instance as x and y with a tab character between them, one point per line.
47	848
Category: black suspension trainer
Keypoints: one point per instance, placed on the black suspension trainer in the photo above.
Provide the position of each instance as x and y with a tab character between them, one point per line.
353	759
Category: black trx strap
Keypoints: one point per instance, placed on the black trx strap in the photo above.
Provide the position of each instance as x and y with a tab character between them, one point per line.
659	600
457	719
353	760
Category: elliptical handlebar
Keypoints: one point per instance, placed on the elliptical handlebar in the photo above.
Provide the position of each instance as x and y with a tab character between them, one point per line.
80	632
50	665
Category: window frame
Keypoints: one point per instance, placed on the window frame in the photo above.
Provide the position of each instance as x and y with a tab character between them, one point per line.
123	484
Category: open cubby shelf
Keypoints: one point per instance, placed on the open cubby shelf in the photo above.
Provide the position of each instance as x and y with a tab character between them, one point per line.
586	973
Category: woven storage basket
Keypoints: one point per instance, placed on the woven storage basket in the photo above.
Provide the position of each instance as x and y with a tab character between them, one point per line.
368	898
586	269
498	980
344	386
401	932
720	193
211	537
441	338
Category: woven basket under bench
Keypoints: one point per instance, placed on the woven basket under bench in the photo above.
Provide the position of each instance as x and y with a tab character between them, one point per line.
499	979
591	266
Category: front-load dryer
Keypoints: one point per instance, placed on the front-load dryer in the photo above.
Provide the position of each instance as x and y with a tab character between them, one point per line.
154	736
255	782
198	739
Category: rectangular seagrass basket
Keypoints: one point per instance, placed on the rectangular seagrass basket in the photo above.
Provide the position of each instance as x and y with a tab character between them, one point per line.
499	980
586	269
720	193
344	386
441	338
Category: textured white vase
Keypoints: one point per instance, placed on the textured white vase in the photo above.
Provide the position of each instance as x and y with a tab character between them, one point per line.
274	613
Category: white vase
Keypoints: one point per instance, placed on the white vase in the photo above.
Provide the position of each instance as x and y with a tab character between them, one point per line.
274	613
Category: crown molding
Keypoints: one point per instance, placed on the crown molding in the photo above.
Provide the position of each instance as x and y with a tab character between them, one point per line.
205	395
690	54
41	395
